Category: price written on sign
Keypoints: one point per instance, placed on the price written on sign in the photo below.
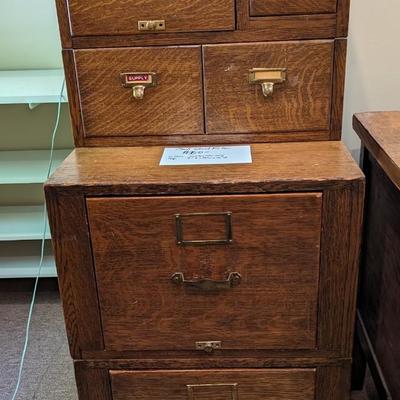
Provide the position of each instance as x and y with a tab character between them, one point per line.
210	155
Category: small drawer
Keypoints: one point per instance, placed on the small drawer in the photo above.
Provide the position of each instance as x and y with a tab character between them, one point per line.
260	8
140	91
268	87
207	273
266	384
128	17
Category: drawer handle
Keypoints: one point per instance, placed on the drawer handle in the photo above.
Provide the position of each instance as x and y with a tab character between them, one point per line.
138	81
267	78
234	279
152	25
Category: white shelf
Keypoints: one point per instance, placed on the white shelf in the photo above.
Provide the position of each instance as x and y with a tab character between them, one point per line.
31	87
22	223
21	260
28	166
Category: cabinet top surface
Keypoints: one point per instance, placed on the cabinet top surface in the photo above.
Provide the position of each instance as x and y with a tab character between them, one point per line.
281	167
380	134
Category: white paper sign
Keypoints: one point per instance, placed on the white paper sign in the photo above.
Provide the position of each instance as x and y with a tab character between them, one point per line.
206	155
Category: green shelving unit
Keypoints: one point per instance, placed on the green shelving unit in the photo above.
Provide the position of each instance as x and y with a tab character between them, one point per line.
28	166
21	223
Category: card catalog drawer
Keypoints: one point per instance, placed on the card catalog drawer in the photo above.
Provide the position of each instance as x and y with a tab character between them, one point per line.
140	91
268	87
129	17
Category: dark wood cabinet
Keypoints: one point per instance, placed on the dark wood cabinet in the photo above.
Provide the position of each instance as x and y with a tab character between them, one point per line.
214	281
379	304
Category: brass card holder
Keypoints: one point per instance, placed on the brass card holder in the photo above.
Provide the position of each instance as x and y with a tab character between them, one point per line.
138	81
232	386
267	78
180	236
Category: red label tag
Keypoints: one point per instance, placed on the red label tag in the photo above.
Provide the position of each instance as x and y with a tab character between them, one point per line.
138	78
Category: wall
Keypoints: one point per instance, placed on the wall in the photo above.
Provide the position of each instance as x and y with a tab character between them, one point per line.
373	64
29	39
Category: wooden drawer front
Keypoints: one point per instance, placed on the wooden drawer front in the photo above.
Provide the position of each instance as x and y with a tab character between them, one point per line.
301	103
96	17
273	384
275	249
288	7
173	106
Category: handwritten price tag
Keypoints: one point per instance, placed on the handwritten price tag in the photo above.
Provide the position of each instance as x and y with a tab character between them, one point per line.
206	155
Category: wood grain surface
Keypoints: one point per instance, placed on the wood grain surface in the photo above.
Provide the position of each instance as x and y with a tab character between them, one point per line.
275	248
173	106
284	384
71	244
95	17
379	302
284	27
339	75
275	167
301	103
380	134
279	7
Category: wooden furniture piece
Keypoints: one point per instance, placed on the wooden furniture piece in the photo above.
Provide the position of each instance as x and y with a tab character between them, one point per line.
188	68
379	304
199	282
281	295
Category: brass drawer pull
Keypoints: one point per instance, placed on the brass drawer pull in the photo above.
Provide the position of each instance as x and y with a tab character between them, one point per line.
234	279
138	81
152	25
267	78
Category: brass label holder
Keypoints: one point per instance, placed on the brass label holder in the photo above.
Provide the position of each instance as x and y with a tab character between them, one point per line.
152	25
180	236
208	347
138	82
267	78
233	386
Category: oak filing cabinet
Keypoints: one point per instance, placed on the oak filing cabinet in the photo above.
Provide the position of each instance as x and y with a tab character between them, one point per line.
215	281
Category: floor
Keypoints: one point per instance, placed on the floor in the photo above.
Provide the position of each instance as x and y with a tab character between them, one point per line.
48	373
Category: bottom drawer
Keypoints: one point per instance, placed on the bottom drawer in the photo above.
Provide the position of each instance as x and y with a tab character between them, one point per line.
228	384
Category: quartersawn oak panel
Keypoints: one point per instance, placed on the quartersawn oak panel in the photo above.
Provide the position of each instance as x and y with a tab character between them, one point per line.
276	246
273	384
301	103
174	106
96	17
288	7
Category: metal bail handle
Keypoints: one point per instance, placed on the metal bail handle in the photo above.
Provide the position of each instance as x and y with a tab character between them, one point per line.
234	279
267	78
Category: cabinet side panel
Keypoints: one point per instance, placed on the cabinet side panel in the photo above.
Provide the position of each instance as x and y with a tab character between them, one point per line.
341	230
71	243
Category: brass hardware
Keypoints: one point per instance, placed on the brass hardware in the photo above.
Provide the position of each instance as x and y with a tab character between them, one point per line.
232	386
152	25
234	279
267	78
179	229
208	347
138	81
